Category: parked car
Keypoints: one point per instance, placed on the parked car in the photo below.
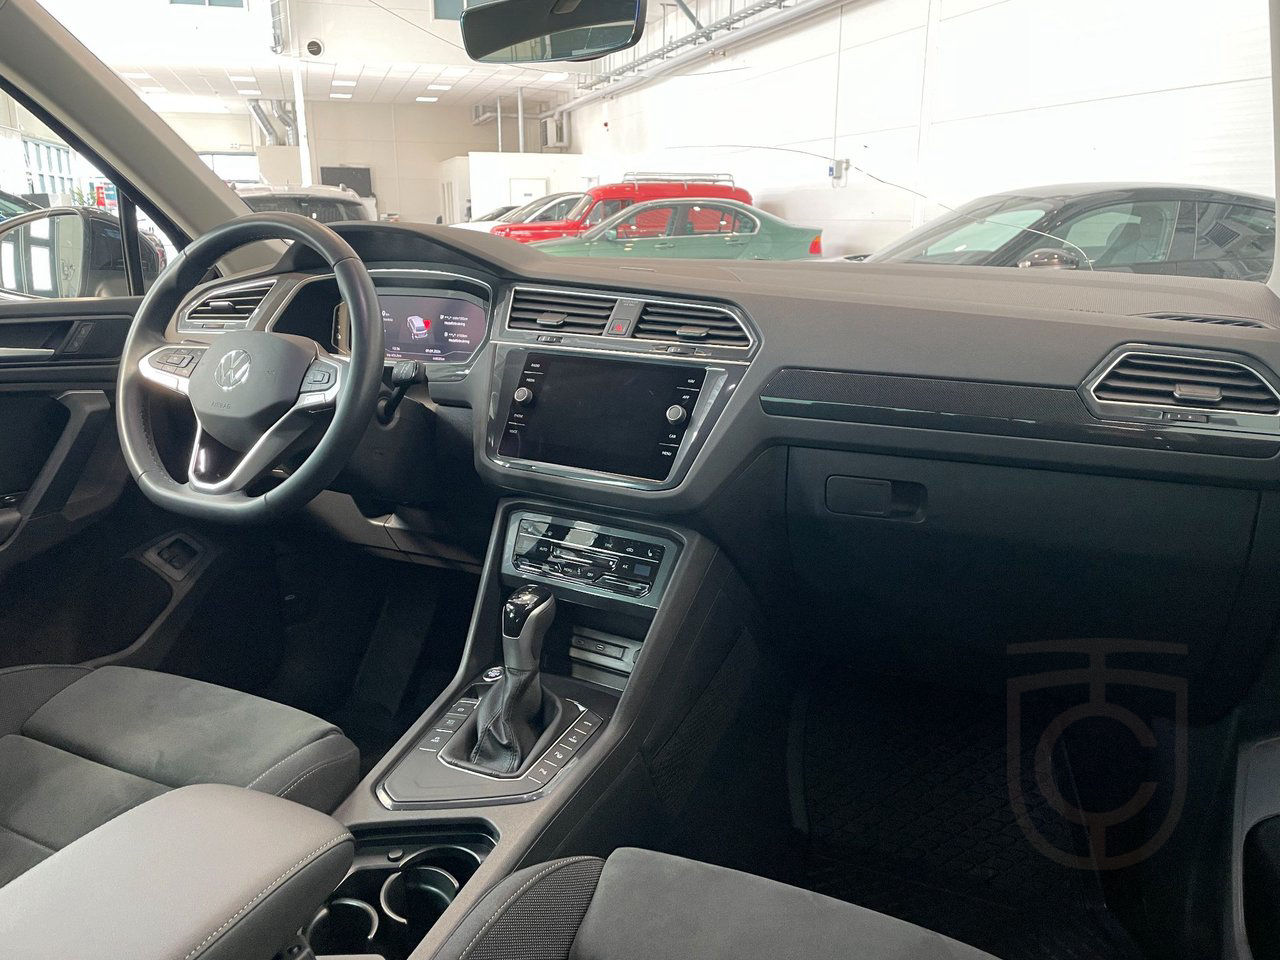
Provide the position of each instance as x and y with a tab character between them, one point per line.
323	203
12	206
600	203
497	212
552	207
1131	228
693	230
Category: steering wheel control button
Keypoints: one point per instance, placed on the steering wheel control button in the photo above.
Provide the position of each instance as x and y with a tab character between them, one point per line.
179	361
319	378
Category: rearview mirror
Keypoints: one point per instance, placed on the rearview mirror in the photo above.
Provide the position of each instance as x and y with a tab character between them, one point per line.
538	31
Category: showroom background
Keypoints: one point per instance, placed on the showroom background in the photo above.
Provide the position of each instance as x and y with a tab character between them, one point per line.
931	102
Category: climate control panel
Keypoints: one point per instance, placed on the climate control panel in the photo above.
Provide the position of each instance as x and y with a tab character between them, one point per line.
598	559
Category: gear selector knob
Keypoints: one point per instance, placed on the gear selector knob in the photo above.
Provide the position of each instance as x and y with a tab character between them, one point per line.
526	616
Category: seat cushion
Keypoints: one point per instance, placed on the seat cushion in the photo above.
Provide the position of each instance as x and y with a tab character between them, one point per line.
80	746
640	905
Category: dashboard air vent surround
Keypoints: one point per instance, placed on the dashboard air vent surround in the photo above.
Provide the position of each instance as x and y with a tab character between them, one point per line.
690	323
230	307
559	311
1213	320
1173	380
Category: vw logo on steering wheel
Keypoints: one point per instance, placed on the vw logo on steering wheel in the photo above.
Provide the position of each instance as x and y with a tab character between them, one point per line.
232	370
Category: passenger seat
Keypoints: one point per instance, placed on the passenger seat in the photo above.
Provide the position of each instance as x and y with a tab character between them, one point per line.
639	905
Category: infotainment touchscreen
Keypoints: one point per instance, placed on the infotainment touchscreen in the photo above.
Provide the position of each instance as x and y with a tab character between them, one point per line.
415	327
611	416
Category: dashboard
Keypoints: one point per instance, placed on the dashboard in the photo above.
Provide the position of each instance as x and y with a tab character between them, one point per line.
1076	455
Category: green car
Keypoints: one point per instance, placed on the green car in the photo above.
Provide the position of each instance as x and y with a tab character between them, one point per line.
693	230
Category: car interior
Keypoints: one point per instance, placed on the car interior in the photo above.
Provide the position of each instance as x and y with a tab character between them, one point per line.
386	590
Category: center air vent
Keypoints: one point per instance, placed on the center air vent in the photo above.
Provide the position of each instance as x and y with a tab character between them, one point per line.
687	323
229	308
1168	380
559	311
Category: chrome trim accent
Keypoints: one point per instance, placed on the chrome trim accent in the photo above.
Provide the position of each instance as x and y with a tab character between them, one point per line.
1155	415
210	292
26	353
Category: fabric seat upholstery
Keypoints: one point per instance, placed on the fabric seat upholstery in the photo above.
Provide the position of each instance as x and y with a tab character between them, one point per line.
639	905
79	746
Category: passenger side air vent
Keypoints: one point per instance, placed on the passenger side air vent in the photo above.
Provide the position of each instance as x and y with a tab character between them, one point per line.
1215	321
559	311
1168	380
229	308
687	323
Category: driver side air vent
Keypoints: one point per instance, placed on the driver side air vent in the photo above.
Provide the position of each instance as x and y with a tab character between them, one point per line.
559	311
1181	381
687	323
228	308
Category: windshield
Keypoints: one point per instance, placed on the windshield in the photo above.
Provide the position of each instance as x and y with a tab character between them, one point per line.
970	234
925	133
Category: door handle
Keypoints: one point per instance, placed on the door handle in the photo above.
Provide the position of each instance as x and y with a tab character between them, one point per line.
663	246
25	353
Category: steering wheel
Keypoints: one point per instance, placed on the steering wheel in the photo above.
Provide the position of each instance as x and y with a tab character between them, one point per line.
257	396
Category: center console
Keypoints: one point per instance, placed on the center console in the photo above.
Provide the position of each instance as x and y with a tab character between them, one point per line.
578	596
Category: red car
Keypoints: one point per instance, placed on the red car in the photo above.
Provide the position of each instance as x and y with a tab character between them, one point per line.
600	203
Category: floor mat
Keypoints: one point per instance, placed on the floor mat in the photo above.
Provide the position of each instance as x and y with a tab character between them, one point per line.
907	796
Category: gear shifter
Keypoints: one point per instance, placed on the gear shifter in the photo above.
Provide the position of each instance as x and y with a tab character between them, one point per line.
511	716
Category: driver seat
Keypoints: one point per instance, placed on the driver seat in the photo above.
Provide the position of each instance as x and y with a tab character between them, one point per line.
79	746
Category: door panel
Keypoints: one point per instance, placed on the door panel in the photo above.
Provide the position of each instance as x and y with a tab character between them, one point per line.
60	466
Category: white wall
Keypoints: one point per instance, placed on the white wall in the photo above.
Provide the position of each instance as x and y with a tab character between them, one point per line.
215	132
404	144
955	99
490	175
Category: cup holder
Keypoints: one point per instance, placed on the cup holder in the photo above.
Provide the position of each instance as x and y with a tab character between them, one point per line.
414	898
343	925
410	897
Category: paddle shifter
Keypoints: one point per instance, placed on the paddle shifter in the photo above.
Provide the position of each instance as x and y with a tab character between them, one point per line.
511	716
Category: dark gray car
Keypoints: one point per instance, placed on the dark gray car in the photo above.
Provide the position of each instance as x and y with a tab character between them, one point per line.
1162	229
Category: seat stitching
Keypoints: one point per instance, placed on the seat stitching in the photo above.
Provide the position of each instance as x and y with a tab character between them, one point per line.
19	833
318	767
515	896
344	836
261	776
